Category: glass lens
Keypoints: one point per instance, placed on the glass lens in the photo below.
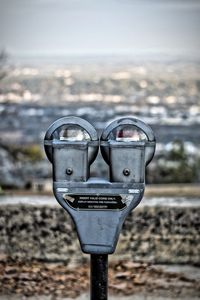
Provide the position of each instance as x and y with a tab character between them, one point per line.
73	133
127	134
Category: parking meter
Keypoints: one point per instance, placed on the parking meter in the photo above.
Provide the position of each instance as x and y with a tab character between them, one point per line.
71	145
127	145
98	206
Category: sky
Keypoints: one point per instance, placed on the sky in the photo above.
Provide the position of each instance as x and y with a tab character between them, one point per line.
62	27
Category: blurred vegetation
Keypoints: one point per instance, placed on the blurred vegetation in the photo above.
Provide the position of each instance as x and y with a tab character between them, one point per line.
175	166
1	191
32	153
3	63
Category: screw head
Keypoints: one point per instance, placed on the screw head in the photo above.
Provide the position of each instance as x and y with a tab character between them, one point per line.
69	171
126	172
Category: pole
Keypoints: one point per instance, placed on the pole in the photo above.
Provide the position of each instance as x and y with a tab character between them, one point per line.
99	276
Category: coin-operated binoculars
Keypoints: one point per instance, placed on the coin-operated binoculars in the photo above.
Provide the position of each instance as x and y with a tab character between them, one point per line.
97	206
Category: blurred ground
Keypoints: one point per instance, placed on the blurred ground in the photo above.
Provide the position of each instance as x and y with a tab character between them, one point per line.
133	297
48	281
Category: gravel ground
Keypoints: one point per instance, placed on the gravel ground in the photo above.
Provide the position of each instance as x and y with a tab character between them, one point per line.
127	280
87	296
133	297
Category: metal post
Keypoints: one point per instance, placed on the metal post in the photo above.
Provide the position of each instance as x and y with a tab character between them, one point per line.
99	276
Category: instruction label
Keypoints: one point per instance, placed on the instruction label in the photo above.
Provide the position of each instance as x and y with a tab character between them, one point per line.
95	202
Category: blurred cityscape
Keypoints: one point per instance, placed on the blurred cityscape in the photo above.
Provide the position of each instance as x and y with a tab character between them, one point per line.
163	93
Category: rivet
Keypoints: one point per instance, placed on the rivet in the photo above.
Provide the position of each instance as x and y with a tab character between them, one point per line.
126	172
69	171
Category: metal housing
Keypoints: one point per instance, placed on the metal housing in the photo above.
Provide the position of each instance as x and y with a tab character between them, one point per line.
97	206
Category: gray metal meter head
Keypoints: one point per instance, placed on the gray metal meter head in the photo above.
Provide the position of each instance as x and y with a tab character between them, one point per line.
71	145
98	206
127	145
